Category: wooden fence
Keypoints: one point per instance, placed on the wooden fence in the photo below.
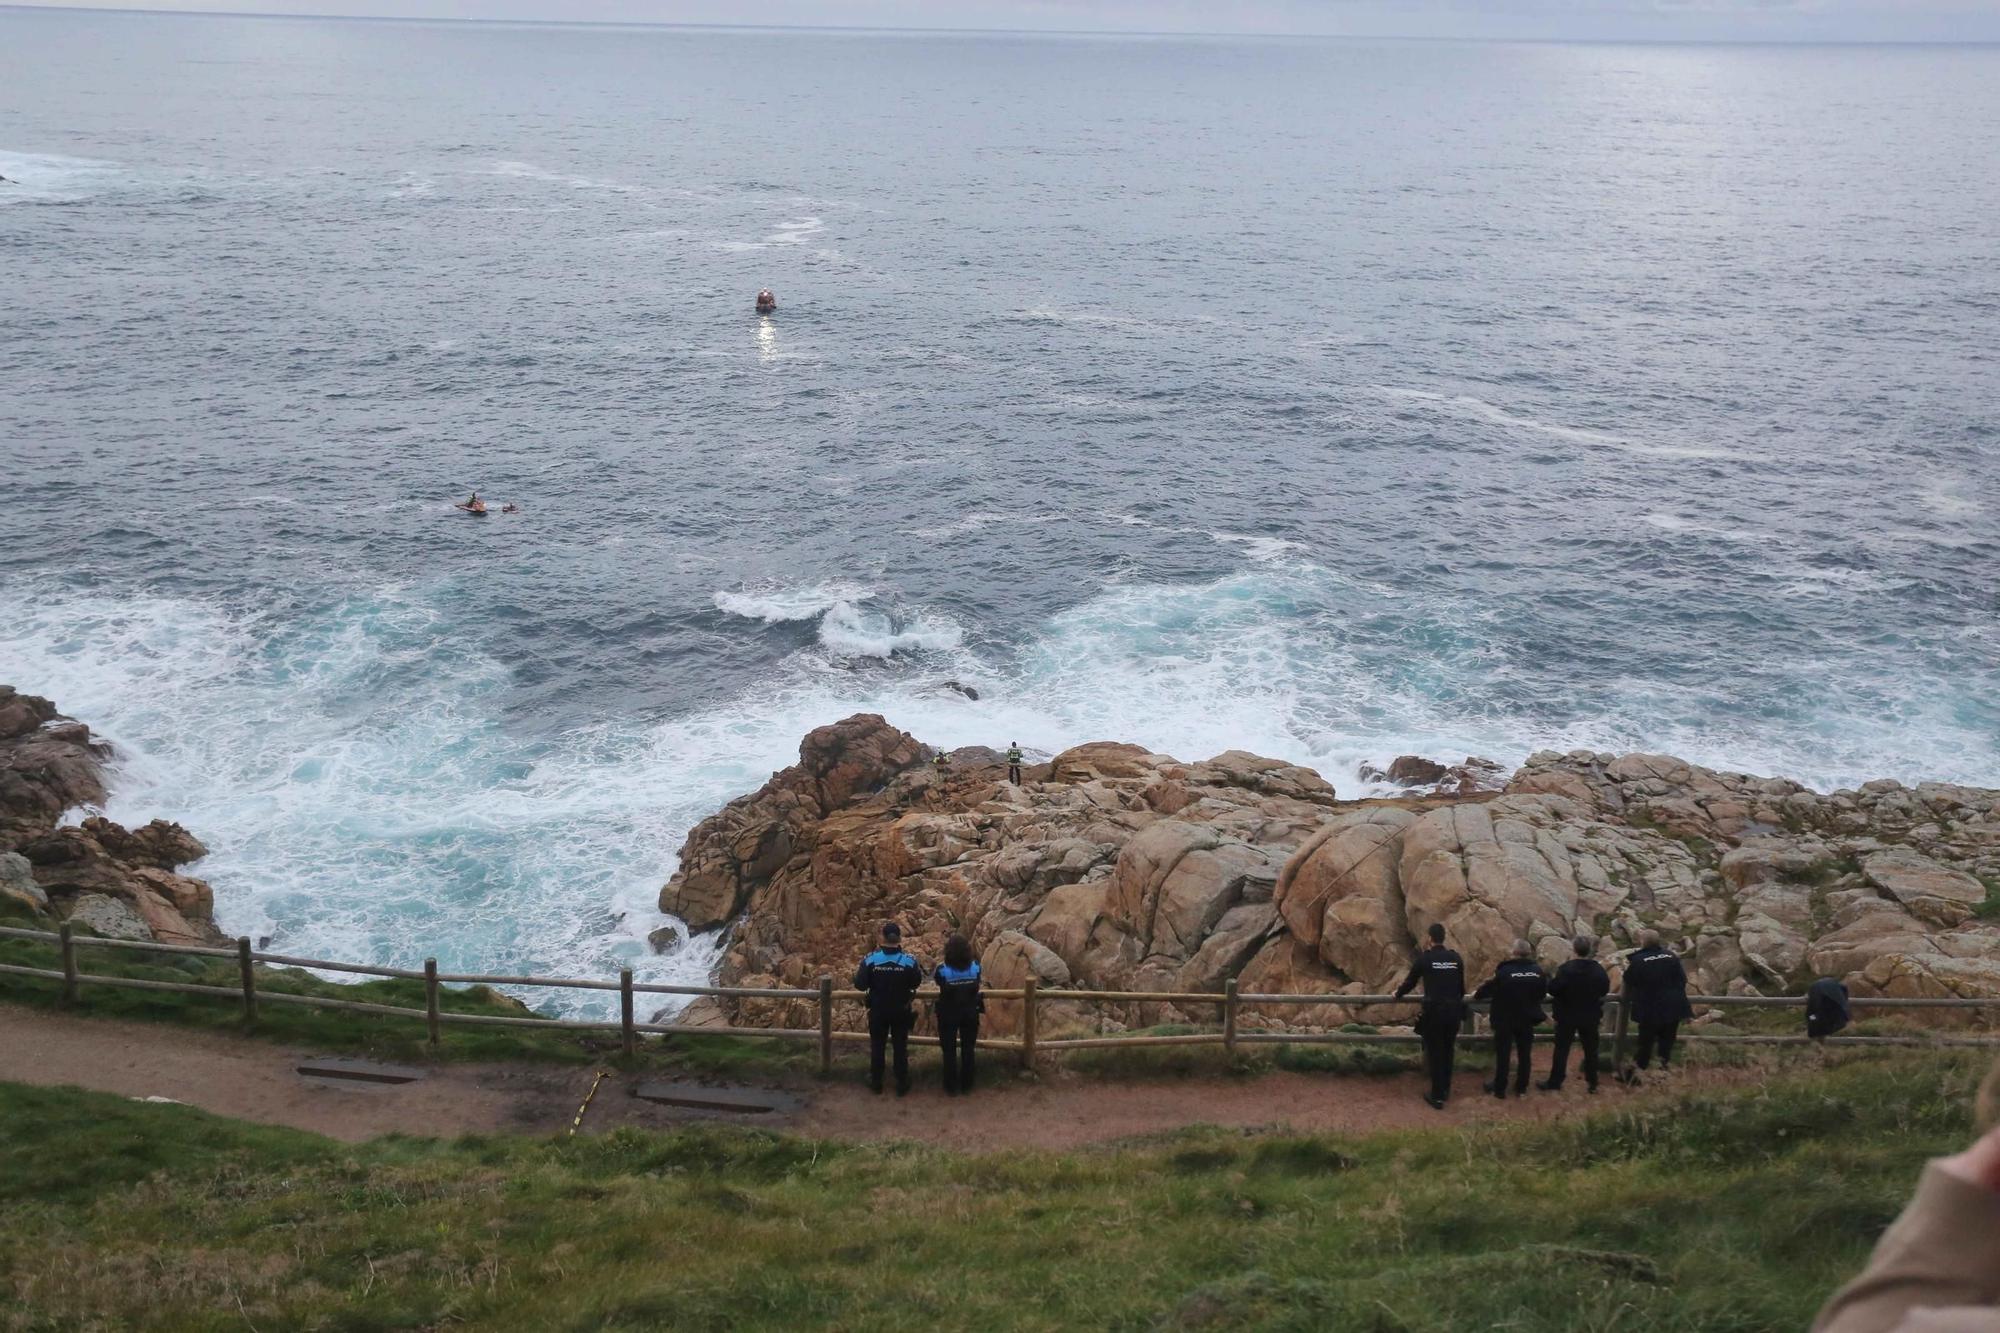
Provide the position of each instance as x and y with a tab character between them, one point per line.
1230	1002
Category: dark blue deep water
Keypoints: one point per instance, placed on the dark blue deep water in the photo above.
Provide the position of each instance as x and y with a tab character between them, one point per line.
1327	399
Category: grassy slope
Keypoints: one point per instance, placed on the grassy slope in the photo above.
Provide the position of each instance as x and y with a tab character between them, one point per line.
1728	1212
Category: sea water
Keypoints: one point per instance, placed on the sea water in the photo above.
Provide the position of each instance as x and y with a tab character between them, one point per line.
1332	400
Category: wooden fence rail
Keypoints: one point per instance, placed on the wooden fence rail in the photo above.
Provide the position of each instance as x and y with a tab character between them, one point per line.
1229	1002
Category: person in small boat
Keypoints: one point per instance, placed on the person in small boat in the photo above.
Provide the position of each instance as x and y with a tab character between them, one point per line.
475	505
766	302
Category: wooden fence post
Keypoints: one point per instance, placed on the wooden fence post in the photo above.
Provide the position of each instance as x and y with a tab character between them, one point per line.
826	1025
625	1031
1229	1018
68	964
431	999
1618	1038
1028	1023
249	975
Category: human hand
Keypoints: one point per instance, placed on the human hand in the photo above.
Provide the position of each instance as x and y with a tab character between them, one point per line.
1979	1164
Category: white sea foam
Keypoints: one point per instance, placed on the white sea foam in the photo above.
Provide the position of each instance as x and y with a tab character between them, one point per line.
776	604
849	627
1466	405
361	794
1261	549
796	231
851	631
52	177
530	171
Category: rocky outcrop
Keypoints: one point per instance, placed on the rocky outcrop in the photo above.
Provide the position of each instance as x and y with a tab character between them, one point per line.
1122	869
1437	778
48	764
728	856
99	875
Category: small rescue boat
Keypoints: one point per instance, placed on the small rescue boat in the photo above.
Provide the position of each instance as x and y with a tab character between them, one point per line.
766	303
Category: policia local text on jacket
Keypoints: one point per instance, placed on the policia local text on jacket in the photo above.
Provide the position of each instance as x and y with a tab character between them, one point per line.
889	977
1657	985
1516	992
959	1005
1441	973
1576	994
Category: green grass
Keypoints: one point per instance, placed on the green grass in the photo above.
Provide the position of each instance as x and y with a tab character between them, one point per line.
1735	1212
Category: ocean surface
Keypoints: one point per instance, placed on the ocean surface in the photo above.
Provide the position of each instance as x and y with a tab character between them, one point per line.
1332	400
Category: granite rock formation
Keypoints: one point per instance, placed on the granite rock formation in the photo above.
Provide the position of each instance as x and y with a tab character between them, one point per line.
102	876
1113	868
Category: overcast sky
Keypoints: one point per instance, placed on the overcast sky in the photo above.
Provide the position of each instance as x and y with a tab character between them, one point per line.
1702	20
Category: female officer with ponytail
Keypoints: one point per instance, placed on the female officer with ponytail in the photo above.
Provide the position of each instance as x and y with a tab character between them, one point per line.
959	1005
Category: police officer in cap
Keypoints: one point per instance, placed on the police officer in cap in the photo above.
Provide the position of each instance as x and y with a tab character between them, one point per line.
1576	993
889	979
1441	973
1516	992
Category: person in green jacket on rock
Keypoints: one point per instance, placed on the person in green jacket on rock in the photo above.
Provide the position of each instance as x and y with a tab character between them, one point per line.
1014	762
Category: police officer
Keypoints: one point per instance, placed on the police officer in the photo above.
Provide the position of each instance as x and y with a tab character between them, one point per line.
889	978
1441	973
1516	991
1014	762
1657	986
959	1005
1577	992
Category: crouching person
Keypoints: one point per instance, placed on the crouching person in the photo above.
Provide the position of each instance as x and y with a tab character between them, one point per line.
889	979
959	1005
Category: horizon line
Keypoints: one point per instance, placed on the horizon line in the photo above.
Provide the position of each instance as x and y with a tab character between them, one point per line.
17	6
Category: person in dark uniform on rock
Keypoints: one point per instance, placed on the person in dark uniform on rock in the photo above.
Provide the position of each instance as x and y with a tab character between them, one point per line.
889	978
1014	762
1441	973
959	1005
1515	990
1576	993
1657	986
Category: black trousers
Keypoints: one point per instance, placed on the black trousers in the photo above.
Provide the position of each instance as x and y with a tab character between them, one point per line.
1440	1034
1660	1037
1014	774
1584	1033
1515	1041
882	1030
957	1036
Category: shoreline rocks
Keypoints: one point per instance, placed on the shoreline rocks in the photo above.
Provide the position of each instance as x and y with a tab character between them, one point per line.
101	875
1112	868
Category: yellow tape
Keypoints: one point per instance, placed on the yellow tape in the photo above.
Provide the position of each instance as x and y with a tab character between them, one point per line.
586	1103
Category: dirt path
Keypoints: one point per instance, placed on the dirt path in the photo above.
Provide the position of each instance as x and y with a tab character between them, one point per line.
258	1081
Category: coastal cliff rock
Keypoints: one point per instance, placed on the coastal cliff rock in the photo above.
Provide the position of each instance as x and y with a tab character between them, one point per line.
101	875
48	764
1113	868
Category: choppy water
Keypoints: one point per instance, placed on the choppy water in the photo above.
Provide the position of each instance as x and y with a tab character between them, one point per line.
1332	400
